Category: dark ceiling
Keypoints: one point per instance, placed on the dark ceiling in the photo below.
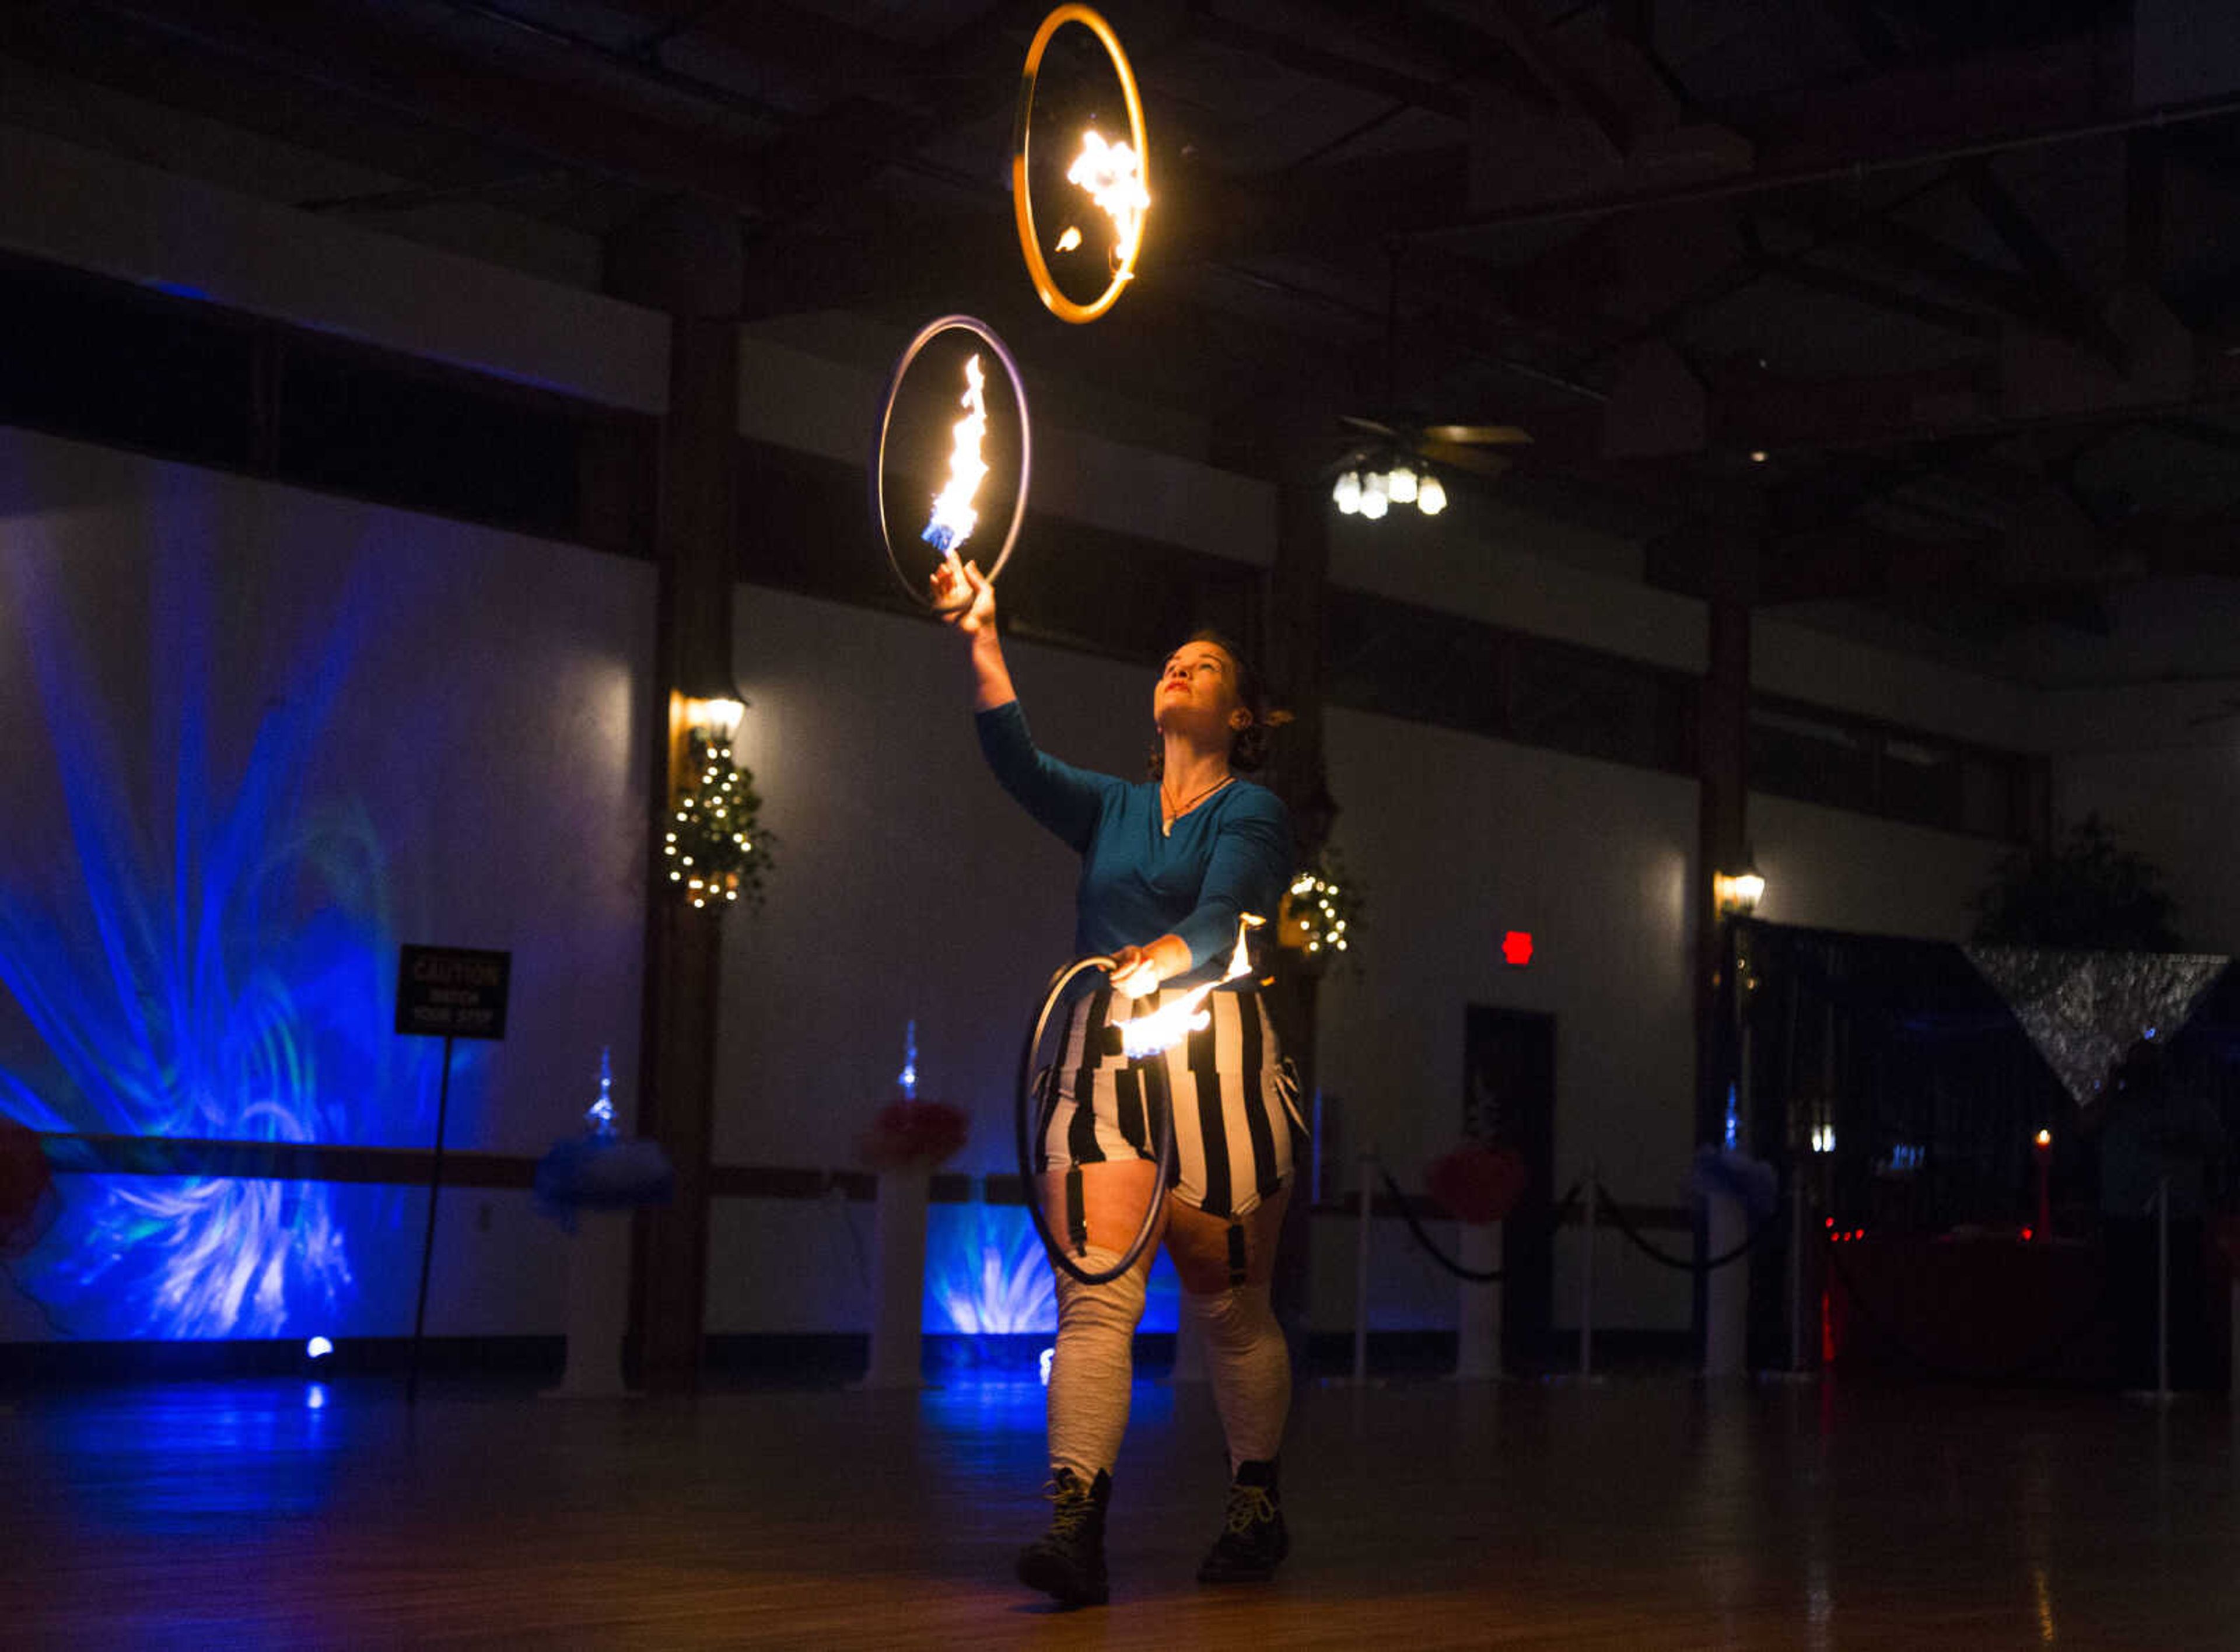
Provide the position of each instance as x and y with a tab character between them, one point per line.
1929	304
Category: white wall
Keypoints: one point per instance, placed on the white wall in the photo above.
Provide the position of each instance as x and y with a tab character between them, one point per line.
1805	663
2177	806
61	201
2160	763
1832	869
255	738
1457	839
905	885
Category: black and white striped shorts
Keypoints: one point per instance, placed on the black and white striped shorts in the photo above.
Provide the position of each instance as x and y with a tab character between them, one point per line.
1236	1101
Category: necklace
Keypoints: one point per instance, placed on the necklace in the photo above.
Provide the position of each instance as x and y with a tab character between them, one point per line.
1176	811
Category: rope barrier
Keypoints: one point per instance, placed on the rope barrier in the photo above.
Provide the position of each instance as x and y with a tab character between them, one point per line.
1471	1275
2045	1355
1684	1264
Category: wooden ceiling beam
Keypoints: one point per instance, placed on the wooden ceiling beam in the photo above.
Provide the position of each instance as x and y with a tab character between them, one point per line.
2078	315
340	51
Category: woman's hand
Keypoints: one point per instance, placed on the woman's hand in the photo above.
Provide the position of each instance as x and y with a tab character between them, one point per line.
964	597
1135	972
1138	971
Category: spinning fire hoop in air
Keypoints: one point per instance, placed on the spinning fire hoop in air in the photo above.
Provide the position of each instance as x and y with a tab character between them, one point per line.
954	517
1144	1040
1114	176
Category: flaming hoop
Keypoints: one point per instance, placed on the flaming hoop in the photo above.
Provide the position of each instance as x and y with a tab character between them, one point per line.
954	518
1145	1039
1116	176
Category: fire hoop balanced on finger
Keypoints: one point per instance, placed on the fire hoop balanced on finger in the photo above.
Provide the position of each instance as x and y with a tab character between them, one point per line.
954	517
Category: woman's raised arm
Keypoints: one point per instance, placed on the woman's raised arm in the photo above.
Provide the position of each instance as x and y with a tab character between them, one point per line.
952	582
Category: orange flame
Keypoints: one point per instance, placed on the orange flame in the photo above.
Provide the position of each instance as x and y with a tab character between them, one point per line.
1114	179
954	518
1169	1024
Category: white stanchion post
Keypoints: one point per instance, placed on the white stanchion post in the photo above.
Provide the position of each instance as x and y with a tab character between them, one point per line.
898	1286
1478	1338
2162	1292
1361	1269
1796	1270
1587	1277
1726	1290
598	1308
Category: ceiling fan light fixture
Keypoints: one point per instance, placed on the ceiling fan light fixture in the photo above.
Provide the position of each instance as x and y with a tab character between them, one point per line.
1346	495
1374	500
1431	497
1400	486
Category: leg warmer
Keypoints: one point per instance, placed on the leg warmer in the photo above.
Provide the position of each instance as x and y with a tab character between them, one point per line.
1092	1368
1250	1368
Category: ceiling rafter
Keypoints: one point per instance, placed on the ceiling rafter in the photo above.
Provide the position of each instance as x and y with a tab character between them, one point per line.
1520	29
2079	316
341	52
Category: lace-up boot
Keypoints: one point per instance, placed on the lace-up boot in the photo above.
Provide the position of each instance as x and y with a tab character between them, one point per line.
1067	1561
1253	1536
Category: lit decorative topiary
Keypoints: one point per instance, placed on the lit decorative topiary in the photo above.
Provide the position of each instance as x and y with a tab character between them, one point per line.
715	846
1321	913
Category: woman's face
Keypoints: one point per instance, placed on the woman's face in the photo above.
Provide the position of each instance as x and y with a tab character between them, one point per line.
1196	692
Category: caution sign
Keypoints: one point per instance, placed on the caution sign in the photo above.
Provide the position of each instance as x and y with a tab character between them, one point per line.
452	992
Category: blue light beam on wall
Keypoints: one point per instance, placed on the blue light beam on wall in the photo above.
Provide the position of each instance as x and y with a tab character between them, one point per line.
205	957
986	1275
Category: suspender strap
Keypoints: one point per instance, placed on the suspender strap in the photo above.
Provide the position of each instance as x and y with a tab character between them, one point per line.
1236	1259
1076	1217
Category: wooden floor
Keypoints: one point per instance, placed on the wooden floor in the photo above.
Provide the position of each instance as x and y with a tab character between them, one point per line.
1641	1513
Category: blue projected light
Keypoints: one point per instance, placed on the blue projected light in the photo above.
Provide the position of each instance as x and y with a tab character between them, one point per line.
985	1272
986	1275
202	955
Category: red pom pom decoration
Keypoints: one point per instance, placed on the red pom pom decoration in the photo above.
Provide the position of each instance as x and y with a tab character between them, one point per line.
1477	1182
912	1136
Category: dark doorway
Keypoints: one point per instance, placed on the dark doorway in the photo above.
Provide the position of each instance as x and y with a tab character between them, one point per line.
1508	1098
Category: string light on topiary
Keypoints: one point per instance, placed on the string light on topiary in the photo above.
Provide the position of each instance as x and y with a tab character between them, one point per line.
1321	910
715	846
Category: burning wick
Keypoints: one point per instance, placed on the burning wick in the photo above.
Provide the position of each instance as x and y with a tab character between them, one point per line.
1166	1027
953	517
1069	240
1110	173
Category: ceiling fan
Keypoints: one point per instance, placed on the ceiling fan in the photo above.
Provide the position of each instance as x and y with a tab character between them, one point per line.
2230	708
1392	462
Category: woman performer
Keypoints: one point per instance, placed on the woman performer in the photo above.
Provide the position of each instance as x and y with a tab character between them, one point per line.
1168	868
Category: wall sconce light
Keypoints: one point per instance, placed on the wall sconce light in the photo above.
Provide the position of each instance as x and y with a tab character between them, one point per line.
713	845
716	719
1737	893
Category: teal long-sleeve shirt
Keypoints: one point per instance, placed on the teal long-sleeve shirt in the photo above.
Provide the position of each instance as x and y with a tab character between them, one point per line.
1230	854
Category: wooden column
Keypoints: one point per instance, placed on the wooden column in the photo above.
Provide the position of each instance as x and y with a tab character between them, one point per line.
685	259
1730	532
1734	534
1297	592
